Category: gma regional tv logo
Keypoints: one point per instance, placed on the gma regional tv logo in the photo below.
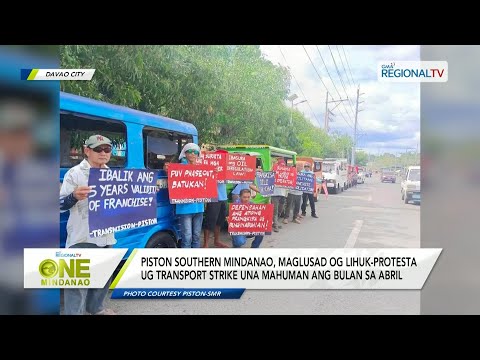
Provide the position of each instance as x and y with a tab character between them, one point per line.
56	74
65	272
413	71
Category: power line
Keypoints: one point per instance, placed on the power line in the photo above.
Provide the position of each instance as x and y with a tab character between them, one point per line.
326	68
308	103
345	71
346	59
343	65
339	76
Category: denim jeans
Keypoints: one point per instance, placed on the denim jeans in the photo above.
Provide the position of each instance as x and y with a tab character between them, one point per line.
191	228
77	301
240	240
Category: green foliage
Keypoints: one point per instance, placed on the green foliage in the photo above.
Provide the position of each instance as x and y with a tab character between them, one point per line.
232	94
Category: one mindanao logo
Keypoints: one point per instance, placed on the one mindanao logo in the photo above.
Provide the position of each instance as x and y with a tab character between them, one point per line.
71	272
413	71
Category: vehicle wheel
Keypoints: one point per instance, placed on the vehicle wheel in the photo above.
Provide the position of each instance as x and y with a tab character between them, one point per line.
161	240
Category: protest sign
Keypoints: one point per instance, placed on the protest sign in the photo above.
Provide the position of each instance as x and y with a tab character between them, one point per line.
192	183
253	219
266	182
121	199
216	159
240	168
285	176
305	183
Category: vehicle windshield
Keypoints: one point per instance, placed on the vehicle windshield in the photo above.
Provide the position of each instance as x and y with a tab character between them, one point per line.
414	175
328	167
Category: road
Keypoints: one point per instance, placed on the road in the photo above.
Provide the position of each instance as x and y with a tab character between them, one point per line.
368	215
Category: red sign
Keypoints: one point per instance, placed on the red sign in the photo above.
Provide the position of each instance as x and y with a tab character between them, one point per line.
325	190
254	219
240	168
216	159
192	183
285	176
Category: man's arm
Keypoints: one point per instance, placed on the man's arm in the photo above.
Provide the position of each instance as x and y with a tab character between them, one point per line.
71	193
67	202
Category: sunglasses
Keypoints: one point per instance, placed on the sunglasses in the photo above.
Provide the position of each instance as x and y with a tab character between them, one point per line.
192	152
105	149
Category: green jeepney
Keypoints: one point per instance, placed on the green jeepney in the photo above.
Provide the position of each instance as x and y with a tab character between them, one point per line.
266	156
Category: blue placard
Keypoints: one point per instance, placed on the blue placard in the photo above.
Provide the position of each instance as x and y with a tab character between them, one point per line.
121	199
266	182
305	182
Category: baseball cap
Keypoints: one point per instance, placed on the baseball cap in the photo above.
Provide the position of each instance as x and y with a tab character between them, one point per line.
97	140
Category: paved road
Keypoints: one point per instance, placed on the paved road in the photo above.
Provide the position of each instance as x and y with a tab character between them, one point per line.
369	215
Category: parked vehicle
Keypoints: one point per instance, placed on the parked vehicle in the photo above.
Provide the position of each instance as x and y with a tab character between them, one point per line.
410	187
265	159
361	175
140	141
334	172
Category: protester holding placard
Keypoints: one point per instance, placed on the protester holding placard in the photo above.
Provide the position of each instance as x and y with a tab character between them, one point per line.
191	214
74	197
308	196
278	198
294	200
215	214
240	240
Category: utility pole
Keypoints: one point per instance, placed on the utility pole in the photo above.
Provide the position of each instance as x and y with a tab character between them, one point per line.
326	115
355	127
328	112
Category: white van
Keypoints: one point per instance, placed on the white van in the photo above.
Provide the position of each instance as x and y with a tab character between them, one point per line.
335	175
410	188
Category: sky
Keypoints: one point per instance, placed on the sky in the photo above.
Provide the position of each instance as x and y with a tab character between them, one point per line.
389	116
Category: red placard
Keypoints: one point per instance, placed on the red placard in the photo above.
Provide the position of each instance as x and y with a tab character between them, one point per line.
240	168
216	159
254	219
285	176
192	183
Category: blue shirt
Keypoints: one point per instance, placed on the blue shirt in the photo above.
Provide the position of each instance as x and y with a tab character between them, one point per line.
222	191
193	208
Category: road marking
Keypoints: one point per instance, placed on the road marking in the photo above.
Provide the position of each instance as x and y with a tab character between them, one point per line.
352	239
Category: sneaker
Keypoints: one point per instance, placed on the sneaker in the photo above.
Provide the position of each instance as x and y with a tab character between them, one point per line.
299	217
304	214
280	226
276	229
285	221
315	216
106	312
297	221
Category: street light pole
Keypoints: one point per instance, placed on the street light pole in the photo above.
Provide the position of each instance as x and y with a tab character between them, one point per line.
292	98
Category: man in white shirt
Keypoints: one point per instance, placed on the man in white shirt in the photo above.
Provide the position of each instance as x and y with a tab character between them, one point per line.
74	197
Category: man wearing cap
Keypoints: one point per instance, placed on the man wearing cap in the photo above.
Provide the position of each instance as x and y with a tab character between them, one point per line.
74	197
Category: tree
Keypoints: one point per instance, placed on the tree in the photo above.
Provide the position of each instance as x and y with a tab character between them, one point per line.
361	158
